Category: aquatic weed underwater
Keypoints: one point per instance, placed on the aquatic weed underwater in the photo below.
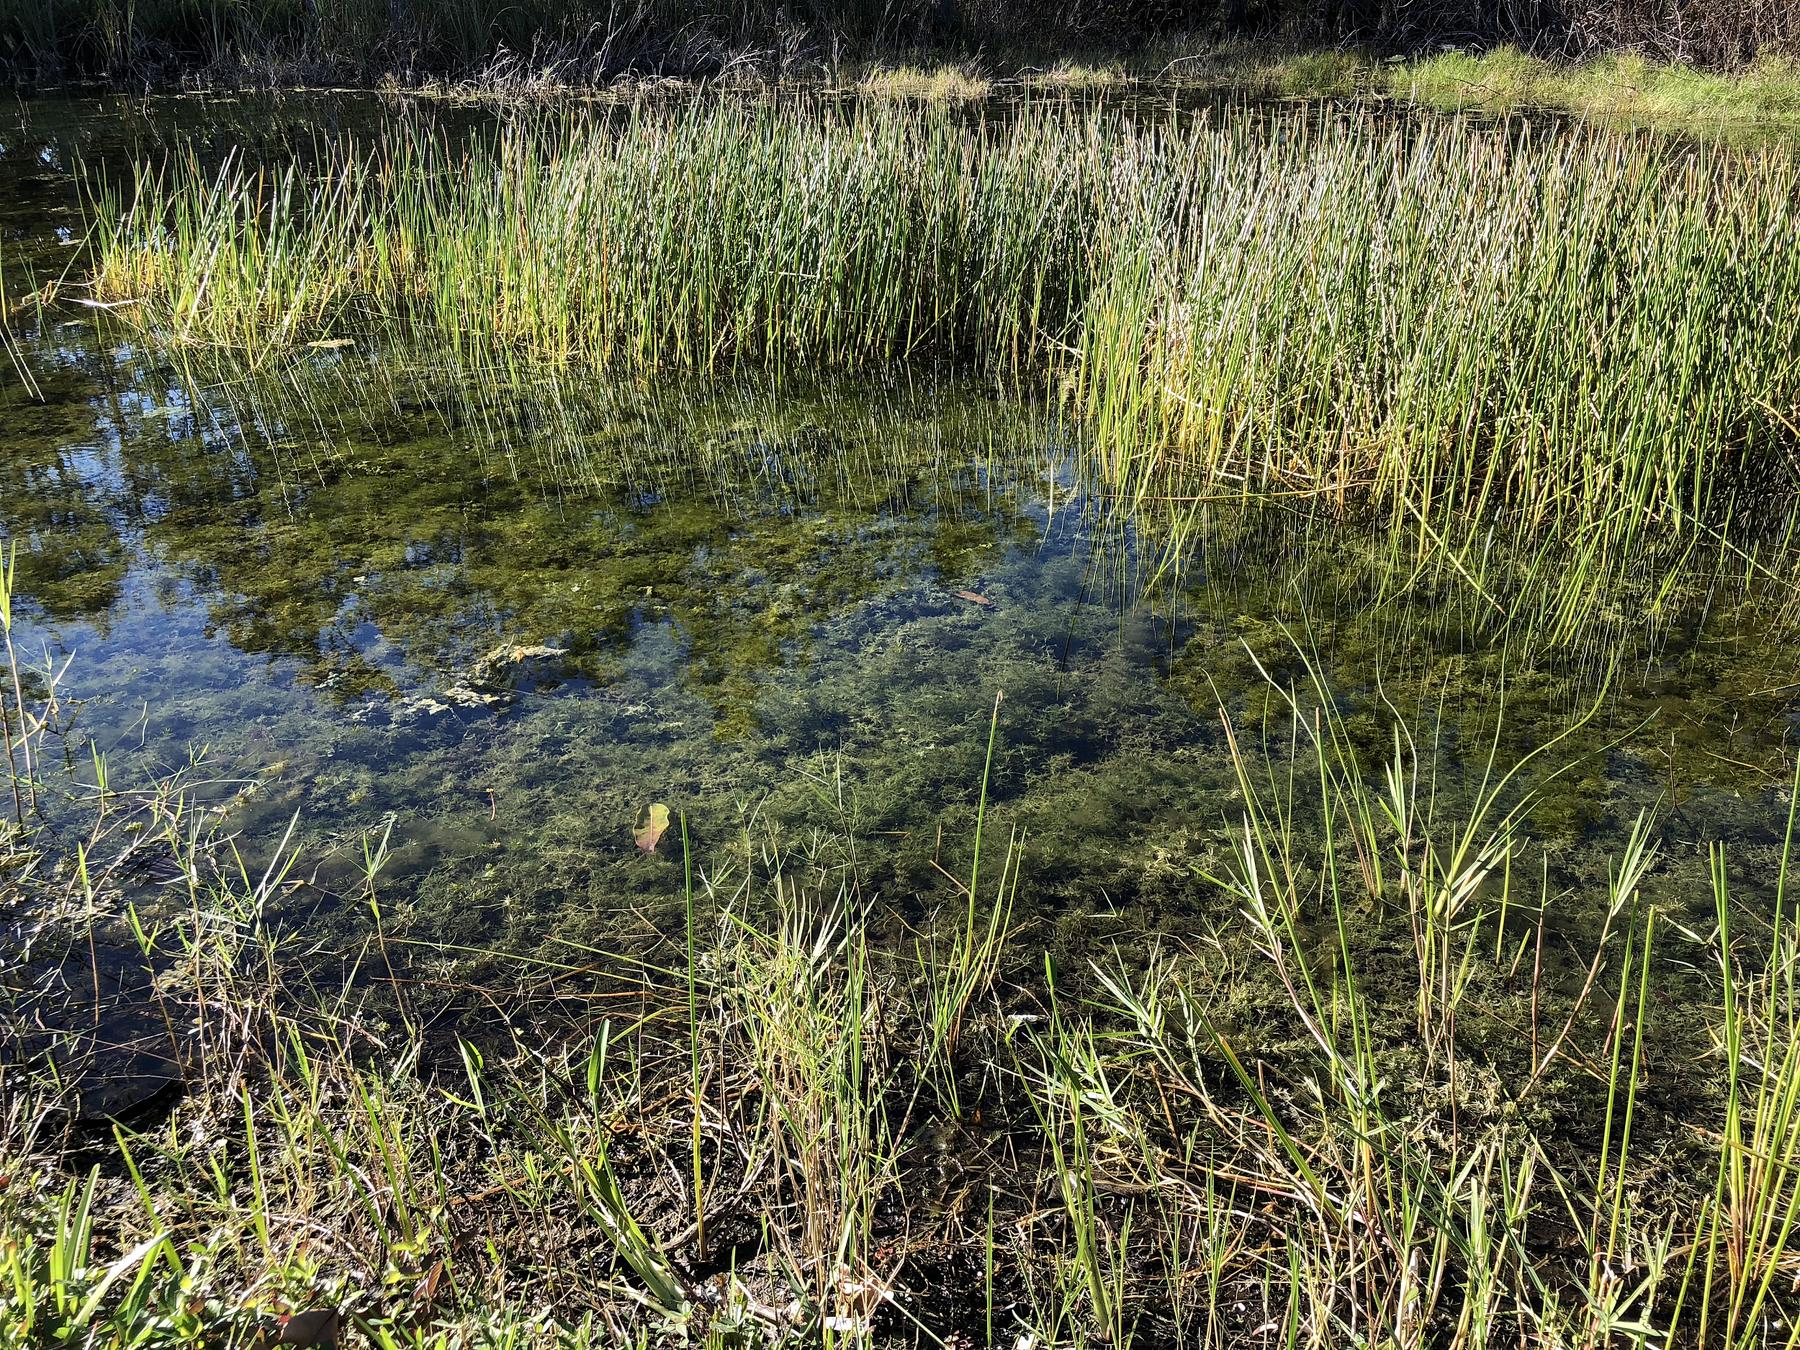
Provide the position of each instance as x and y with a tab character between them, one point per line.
776	1126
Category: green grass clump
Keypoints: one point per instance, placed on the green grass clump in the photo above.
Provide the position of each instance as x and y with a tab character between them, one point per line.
1071	75
1323	74
944	83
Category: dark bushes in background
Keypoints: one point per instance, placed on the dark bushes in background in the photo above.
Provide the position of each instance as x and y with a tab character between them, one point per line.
1708	32
165	41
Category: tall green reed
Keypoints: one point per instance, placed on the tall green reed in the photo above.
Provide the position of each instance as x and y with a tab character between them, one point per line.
961	969
1743	1258
1448	321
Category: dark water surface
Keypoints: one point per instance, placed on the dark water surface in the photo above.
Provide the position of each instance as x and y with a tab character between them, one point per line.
492	615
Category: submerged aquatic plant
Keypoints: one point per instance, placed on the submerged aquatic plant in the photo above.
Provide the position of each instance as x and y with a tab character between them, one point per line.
1247	1142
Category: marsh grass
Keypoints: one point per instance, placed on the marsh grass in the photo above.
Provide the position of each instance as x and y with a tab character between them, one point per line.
1624	86
1610	86
964	966
1442	322
948	83
1070	74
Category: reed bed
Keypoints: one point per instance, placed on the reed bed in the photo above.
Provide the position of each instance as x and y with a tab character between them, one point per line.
1440	317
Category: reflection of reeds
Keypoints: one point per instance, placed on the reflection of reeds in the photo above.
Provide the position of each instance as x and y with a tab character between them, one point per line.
1447	320
748	438
8	345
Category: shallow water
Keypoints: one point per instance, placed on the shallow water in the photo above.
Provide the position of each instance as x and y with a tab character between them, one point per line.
491	616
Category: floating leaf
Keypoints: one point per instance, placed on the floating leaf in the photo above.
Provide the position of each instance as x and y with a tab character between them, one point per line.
656	824
974	598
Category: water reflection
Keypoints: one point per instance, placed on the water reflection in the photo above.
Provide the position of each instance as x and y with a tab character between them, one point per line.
501	611
503	614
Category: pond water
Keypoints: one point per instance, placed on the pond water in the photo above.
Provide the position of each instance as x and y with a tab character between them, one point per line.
492	616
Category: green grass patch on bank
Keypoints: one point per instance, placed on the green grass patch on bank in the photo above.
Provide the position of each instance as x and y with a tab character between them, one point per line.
1626	87
1614	87
946	82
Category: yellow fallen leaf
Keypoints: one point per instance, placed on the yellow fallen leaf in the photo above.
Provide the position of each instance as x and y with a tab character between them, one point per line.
656	824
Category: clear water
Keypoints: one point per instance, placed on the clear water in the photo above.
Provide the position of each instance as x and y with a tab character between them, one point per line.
491	617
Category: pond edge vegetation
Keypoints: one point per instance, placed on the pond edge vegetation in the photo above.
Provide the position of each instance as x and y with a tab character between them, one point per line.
535	44
768	1127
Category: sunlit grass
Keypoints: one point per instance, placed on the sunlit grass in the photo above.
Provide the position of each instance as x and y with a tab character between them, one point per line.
1579	327
1248	1137
1072	74
1622	86
943	83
